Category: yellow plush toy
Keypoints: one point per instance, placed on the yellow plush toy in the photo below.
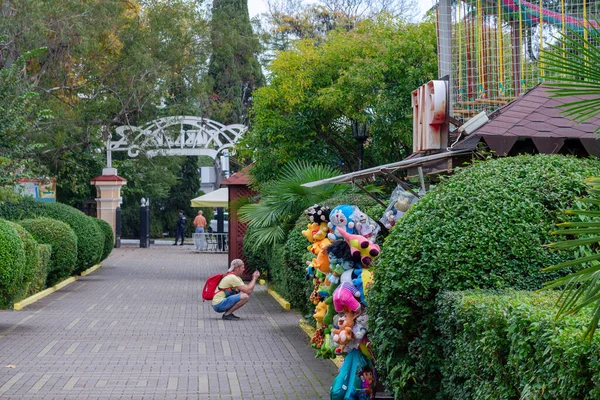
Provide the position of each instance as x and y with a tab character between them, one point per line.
320	312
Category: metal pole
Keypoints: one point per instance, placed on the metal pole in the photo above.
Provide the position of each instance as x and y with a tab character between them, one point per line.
143	224
360	155
118	228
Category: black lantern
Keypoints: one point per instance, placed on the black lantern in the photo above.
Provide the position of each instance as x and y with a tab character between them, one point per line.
360	133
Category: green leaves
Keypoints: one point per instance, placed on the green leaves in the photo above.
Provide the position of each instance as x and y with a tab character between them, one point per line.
318	86
284	199
582	288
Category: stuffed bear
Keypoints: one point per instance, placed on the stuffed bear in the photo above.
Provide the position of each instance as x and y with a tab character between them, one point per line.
367	227
343	335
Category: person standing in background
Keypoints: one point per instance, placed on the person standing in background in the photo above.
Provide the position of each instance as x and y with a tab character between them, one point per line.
180	228
200	224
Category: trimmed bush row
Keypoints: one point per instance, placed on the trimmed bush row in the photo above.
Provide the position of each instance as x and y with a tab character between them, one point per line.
41	275
90	239
12	264
63	242
109	237
508	346
32	260
483	227
93	237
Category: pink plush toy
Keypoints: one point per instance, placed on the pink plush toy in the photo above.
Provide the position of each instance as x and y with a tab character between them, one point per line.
345	296
362	250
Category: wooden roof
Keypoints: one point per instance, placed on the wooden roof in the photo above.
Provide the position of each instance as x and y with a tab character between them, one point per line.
535	115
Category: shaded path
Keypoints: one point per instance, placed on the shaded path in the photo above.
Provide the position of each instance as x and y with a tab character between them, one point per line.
137	329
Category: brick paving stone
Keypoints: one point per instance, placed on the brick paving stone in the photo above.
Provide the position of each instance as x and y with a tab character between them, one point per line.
137	329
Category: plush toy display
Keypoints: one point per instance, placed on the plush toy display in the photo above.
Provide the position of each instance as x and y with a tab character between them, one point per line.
362	250
341	217
342	250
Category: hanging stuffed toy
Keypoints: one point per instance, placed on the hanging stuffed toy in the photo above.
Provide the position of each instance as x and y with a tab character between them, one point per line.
341	217
366	227
340	260
361	249
343	335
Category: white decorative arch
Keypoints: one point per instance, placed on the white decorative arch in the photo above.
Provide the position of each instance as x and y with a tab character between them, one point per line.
182	136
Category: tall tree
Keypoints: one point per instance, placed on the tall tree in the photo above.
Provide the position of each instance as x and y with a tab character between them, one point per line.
318	88
234	68
108	63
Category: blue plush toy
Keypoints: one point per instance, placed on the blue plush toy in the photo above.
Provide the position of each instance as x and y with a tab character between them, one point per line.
341	217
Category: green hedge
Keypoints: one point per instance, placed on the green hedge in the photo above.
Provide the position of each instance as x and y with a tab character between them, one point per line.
90	239
508	346
484	227
32	260
26	207
41	273
12	264
64	246
109	237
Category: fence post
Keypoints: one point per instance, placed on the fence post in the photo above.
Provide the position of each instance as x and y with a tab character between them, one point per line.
118	227
144	224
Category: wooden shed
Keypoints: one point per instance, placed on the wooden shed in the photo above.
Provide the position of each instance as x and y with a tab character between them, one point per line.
238	185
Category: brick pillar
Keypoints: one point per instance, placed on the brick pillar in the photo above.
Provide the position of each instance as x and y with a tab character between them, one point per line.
108	189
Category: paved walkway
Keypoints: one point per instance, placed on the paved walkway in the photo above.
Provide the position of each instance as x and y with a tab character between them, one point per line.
137	329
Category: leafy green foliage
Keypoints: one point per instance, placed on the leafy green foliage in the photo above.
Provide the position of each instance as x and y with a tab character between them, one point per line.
12	264
90	239
483	227
284	199
21	208
317	88
32	260
64	246
508	346
20	123
109	237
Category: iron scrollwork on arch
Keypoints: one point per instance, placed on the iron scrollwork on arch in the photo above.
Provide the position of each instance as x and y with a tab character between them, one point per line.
182	135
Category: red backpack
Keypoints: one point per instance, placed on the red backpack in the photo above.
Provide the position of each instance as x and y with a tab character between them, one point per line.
211	285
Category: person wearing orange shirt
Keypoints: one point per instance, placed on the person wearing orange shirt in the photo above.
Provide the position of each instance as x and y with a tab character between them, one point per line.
200	224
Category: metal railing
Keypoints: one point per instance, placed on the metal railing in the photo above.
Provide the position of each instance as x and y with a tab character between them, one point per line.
211	242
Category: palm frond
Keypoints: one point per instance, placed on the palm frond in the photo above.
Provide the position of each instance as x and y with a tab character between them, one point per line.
574	73
581	289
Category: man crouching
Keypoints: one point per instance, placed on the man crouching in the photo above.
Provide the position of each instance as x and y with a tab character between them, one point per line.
232	293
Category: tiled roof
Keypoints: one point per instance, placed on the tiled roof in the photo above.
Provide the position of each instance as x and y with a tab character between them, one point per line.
108	178
535	115
239	178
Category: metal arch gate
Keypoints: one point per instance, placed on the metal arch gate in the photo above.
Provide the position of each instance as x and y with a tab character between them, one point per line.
181	135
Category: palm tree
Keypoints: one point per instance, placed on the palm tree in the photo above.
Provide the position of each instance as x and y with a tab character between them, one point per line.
572	66
582	288
283	200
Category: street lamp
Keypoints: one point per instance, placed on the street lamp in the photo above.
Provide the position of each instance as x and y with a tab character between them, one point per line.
360	133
